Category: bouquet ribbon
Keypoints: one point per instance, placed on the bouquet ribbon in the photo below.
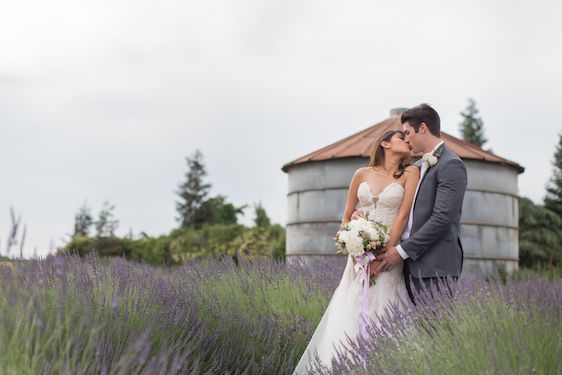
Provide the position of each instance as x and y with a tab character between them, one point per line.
363	268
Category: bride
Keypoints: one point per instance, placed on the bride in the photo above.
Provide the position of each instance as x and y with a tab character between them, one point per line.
385	191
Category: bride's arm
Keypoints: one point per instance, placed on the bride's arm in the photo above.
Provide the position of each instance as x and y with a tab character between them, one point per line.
412	177
351	202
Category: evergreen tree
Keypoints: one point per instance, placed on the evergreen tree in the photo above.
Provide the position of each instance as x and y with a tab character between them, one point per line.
553	199
472	126
83	221
261	220
217	211
540	238
106	223
192	193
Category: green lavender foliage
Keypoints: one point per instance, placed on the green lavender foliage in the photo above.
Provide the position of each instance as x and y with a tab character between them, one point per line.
92	315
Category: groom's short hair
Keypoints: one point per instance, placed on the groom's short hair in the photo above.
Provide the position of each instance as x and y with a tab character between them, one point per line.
423	113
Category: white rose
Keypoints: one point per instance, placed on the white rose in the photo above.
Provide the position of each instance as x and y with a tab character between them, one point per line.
373	234
343	236
356	250
354	245
359	223
366	226
430	159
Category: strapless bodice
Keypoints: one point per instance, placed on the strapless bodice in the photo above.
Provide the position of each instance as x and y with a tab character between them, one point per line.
383	208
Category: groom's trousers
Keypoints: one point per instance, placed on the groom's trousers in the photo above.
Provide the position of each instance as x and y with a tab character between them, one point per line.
427	287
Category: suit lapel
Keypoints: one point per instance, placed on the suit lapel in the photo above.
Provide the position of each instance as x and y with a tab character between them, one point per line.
438	153
440	150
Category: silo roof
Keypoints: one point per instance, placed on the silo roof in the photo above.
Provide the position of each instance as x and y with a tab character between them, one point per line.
359	145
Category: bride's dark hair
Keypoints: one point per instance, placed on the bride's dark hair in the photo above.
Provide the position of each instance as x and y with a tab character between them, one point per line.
377	153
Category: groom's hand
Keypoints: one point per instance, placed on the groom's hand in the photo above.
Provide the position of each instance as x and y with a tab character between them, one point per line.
389	259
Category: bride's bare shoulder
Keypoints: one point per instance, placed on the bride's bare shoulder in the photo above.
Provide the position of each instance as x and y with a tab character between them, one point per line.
360	172
359	175
412	169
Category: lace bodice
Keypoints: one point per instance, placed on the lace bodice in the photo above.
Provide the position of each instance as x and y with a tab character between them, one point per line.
383	208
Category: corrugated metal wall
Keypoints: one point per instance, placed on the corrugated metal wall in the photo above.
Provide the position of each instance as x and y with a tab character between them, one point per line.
318	190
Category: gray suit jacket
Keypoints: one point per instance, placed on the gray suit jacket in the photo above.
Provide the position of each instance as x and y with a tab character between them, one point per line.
434	247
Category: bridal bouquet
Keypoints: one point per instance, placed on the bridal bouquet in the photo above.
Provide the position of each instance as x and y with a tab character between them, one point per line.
361	235
362	239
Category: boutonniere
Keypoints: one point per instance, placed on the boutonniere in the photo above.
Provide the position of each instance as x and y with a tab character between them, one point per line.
429	159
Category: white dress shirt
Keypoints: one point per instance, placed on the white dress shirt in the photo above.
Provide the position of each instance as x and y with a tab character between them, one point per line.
408	229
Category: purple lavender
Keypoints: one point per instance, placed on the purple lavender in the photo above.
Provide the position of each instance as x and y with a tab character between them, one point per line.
92	315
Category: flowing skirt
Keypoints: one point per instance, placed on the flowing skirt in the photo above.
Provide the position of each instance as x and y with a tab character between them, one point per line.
340	321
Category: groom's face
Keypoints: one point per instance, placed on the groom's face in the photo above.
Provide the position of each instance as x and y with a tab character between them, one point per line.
412	138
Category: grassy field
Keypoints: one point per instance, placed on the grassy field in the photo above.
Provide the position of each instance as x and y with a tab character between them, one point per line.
71	315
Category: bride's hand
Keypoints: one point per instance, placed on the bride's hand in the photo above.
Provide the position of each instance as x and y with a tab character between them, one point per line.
356	214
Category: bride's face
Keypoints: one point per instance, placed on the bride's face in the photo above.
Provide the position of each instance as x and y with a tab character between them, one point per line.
398	145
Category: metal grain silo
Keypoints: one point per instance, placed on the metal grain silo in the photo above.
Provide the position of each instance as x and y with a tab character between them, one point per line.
318	184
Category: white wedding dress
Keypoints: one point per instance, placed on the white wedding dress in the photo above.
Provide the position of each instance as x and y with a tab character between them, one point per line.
341	318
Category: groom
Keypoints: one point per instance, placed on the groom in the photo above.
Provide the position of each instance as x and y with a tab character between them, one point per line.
430	244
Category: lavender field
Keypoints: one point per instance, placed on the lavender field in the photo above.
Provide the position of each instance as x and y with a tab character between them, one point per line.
71	315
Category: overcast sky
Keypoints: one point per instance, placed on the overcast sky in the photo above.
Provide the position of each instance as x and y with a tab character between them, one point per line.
105	99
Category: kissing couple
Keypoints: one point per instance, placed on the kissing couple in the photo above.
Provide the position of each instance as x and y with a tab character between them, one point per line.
421	204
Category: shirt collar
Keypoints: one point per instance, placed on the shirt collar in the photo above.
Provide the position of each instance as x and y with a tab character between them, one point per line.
436	147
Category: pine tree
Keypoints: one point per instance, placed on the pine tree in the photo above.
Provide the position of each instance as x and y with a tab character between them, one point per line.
553	199
261	220
193	193
106	223
540	238
472	126
83	221
217	210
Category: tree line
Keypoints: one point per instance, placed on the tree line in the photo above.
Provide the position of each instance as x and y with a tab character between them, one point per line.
207	227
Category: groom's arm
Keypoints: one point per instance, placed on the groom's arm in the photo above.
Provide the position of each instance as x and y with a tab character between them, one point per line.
451	186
